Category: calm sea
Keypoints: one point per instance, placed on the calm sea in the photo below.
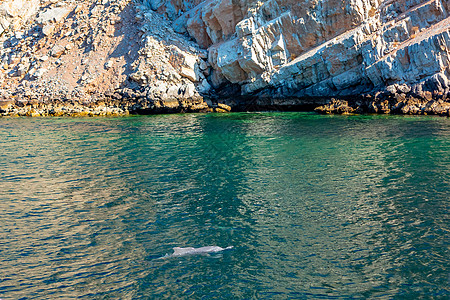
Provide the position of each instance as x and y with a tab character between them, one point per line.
316	207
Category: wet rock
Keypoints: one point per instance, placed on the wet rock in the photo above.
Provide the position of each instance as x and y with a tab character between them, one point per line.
335	107
224	107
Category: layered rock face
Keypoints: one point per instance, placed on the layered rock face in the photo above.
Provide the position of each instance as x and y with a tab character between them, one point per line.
96	58
187	55
284	50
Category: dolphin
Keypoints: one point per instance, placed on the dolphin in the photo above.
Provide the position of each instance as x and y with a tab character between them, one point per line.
178	251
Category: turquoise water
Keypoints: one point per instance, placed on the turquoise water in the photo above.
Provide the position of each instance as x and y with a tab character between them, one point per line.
316	207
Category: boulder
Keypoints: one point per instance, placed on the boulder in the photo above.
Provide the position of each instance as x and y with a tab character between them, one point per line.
53	15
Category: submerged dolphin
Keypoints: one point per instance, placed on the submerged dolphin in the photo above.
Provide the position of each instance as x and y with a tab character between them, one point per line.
178	251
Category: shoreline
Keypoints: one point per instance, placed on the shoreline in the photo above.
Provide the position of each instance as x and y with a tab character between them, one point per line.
135	103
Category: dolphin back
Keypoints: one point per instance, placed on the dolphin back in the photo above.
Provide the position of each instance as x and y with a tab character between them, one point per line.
211	249
178	251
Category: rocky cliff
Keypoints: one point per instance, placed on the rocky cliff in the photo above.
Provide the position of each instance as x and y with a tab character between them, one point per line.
113	57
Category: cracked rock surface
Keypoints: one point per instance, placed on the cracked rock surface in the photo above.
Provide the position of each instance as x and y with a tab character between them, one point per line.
100	57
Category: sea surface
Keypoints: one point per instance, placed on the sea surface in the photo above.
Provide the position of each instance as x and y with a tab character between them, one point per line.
316	207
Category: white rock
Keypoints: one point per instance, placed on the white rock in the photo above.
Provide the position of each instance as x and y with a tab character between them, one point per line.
57	51
54	15
245	27
188	73
109	64
48	29
189	90
172	91
38	73
4	24
22	69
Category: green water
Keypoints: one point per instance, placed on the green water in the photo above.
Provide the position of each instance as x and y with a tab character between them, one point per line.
316	207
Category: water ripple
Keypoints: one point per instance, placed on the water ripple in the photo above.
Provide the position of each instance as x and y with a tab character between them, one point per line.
315	206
